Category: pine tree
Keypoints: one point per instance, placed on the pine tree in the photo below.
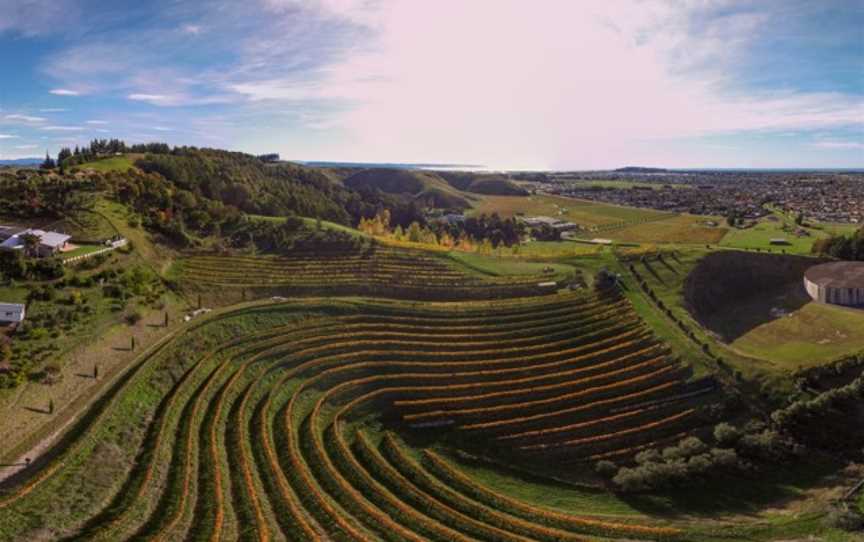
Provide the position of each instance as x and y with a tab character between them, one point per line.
48	163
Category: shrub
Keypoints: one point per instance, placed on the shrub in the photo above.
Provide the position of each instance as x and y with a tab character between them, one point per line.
726	434
845	518
606	468
133	317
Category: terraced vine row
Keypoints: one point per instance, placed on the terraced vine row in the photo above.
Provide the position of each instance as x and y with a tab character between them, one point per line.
278	434
377	270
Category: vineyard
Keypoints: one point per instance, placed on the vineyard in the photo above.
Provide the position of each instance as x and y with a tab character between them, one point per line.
374	270
345	423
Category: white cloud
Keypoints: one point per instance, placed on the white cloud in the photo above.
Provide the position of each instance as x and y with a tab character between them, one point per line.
25	147
192	29
53	110
8	136
25	118
64	92
97	122
158	99
572	84
62	128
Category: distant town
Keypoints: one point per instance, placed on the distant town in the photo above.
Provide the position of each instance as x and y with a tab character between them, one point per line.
821	196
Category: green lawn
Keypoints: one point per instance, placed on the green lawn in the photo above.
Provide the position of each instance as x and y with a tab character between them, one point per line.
114	163
582	212
82	250
810	334
778	226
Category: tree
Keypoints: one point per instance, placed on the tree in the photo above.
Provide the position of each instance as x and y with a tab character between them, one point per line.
31	243
48	163
63	155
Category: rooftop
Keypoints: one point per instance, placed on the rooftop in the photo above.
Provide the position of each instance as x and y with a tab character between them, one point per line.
47	238
837	274
11	312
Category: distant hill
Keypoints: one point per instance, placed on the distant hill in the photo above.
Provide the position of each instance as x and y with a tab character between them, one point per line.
483	183
384	165
22	162
424	187
638	169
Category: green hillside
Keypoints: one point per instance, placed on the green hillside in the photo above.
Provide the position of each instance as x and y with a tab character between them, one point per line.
481	183
424	187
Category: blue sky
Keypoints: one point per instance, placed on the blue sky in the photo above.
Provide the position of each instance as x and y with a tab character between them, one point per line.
507	83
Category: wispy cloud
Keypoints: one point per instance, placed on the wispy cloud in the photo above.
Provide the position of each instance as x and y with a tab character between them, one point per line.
53	110
8	136
97	122
64	92
192	29
25	118
25	147
62	128
37	17
154	99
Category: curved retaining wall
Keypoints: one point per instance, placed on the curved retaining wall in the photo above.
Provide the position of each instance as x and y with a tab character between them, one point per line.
836	296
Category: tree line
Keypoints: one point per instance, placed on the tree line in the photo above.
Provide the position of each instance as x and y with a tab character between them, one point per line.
844	247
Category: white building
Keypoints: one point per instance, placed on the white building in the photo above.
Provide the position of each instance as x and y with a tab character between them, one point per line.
50	242
12	313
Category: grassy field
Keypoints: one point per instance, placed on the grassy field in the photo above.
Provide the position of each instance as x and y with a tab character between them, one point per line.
804	334
82	250
84	226
778	226
114	163
581	212
680	229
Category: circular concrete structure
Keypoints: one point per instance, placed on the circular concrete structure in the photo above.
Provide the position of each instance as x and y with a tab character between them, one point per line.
839	283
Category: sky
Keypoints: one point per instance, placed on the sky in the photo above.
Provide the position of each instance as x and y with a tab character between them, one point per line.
516	84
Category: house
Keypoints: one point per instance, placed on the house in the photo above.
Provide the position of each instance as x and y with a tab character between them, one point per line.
11	313
50	242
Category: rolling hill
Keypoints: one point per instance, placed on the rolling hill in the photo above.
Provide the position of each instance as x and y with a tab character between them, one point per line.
424	187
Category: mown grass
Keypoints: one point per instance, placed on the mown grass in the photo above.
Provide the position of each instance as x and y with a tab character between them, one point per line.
581	212
809	334
780	226
680	229
114	163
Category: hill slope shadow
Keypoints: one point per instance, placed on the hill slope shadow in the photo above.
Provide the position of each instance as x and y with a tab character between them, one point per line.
730	293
